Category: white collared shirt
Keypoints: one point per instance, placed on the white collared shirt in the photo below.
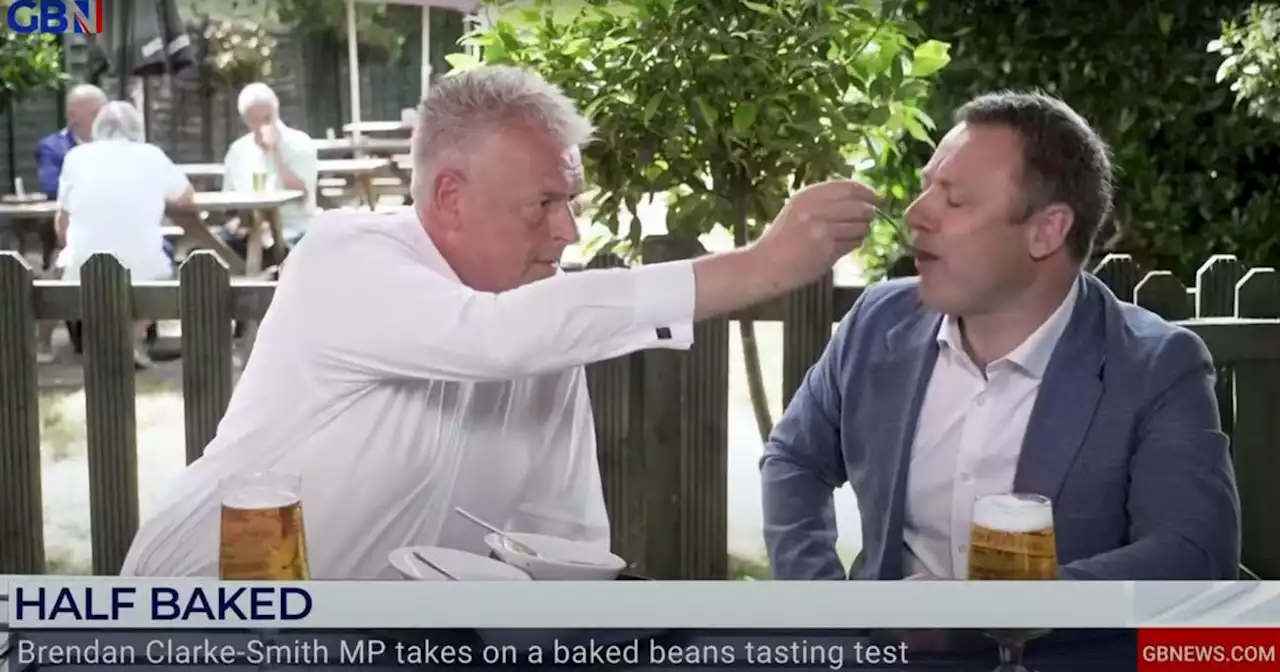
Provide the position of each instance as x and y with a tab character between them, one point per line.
398	393
245	157
968	440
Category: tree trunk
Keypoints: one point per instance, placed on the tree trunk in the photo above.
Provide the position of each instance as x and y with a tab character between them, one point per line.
750	347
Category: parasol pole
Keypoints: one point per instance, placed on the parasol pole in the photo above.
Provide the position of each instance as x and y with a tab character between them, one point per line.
426	48
353	75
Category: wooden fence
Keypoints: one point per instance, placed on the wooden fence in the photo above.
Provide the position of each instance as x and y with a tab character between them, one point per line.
661	416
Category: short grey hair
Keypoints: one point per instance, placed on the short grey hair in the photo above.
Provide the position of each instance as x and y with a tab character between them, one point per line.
119	120
472	103
86	92
256	94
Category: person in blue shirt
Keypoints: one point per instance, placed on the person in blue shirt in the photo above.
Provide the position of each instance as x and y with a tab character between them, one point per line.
83	103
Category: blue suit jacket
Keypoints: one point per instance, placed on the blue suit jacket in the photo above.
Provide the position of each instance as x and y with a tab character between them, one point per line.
1124	438
50	154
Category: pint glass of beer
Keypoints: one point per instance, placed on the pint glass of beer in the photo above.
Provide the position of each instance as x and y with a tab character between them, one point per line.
262	537
1011	539
259	181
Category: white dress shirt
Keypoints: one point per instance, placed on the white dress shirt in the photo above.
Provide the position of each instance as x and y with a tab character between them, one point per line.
114	192
398	393
245	157
968	441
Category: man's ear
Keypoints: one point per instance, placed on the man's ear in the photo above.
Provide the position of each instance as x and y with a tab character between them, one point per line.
446	193
1049	230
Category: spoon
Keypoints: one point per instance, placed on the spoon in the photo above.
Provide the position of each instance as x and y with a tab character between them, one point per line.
511	543
440	570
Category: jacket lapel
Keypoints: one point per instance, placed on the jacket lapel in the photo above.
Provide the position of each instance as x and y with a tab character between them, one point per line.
1068	397
898	379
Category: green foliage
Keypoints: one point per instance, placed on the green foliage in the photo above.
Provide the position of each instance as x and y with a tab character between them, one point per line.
381	29
725	107
238	52
1194	177
1251	59
29	63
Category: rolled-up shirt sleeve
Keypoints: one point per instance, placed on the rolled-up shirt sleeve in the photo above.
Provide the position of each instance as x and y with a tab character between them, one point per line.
393	316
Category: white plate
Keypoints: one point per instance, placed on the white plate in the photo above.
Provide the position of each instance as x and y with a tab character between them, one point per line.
462	565
559	560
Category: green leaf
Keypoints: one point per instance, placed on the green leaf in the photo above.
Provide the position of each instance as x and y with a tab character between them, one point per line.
930	57
461	61
760	7
744	115
651	108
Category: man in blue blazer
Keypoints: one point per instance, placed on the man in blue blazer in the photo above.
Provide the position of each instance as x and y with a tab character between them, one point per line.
1004	368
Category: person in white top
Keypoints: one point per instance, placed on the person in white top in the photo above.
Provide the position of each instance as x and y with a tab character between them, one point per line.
281	157
112	196
415	362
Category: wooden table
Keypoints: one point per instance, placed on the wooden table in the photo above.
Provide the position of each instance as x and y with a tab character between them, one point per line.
361	171
29	210
374	146
263	208
376	127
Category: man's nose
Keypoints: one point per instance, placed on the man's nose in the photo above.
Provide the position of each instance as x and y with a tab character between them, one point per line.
564	226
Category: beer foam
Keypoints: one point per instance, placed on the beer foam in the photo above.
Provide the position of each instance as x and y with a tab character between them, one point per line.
1013	513
259	498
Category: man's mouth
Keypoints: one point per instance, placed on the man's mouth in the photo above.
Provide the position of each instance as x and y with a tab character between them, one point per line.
925	255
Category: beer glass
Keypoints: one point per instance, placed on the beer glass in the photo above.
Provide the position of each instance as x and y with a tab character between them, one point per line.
259	181
262	536
1011	539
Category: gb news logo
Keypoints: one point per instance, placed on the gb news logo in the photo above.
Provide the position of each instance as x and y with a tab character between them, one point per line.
82	17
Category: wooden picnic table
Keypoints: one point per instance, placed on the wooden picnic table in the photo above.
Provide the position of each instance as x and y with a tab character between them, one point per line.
377	127
263	208
361	171
374	146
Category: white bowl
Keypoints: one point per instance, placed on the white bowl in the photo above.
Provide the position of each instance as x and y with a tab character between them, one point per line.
558	559
462	565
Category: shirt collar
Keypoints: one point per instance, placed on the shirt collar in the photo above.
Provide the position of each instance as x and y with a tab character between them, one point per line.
1033	354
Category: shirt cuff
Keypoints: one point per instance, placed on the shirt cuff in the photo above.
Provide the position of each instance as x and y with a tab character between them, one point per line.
665	295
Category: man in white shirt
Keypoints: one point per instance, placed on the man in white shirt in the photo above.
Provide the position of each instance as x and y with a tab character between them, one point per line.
418	361
112	197
273	156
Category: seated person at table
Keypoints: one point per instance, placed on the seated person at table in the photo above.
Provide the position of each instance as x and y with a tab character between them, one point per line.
279	156
112	199
413	362
1005	368
83	103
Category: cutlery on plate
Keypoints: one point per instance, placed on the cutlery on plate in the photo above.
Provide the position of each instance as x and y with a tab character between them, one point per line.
511	543
437	568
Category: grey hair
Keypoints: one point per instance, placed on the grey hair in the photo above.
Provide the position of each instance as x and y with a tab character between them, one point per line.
256	94
119	120
86	92
464	105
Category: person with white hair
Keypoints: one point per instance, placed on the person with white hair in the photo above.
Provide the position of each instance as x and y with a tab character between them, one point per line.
419	361
273	156
112	198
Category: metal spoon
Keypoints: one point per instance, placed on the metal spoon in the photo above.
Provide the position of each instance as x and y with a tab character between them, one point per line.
421	558
512	543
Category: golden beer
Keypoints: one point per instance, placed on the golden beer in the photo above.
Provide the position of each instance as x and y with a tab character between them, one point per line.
1011	539
262	534
259	181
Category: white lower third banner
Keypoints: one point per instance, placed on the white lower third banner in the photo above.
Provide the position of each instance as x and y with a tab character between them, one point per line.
105	603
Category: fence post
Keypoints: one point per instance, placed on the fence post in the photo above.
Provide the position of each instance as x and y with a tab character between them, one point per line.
1119	272
1257	427
685	435
107	302
22	523
615	405
204	303
1216	281
806	330
1161	293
